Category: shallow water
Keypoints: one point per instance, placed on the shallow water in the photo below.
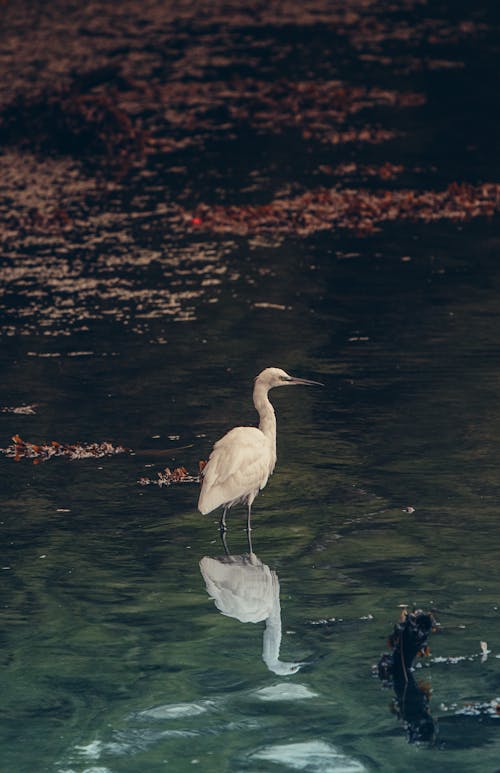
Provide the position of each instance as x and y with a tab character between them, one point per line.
136	324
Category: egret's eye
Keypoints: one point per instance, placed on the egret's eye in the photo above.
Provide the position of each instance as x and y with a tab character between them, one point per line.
285	378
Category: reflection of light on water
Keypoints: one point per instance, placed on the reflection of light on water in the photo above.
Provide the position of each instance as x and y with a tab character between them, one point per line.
126	742
176	711
313	756
152	726
119	278
285	691
92	750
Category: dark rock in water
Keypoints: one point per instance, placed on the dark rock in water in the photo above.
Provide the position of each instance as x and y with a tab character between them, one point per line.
407	641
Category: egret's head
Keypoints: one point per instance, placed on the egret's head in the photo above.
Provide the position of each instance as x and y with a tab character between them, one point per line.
275	377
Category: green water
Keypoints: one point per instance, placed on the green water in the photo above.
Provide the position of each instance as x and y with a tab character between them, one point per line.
123	319
114	656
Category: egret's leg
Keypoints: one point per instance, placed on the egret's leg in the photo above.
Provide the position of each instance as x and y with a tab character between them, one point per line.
224	543
249	528
222	524
249	540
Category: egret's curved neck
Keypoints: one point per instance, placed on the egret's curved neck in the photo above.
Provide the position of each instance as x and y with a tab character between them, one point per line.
271	640
267	423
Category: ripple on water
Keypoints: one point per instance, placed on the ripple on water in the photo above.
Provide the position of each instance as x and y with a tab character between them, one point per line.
313	756
285	691
175	711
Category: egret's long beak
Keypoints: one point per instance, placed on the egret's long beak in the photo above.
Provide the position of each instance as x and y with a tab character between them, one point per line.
304	381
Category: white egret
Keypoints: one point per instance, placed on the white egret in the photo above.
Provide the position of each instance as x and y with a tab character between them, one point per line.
244	458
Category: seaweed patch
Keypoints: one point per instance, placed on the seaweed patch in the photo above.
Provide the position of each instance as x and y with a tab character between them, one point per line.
360	210
22	449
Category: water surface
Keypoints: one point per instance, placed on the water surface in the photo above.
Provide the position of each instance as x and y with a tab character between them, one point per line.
136	309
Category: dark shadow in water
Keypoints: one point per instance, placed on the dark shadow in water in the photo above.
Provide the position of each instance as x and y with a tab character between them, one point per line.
245	588
408	640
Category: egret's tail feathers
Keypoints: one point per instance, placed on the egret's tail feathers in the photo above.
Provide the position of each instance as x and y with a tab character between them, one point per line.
209	500
212	498
204	508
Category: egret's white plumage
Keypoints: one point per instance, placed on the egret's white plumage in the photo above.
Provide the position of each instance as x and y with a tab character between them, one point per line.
242	461
239	466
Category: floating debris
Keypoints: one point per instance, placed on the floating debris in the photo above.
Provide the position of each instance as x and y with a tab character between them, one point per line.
276	306
452	660
357	210
21	410
167	477
21	449
486	708
386	171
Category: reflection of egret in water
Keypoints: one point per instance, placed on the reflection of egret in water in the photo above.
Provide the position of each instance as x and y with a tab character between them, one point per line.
248	590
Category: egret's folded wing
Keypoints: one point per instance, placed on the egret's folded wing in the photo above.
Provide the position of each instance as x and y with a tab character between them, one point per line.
239	464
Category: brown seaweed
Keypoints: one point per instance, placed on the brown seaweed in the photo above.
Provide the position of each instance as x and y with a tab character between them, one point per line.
359	210
21	449
167	477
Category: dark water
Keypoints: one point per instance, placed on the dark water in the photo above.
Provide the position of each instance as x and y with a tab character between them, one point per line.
136	310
